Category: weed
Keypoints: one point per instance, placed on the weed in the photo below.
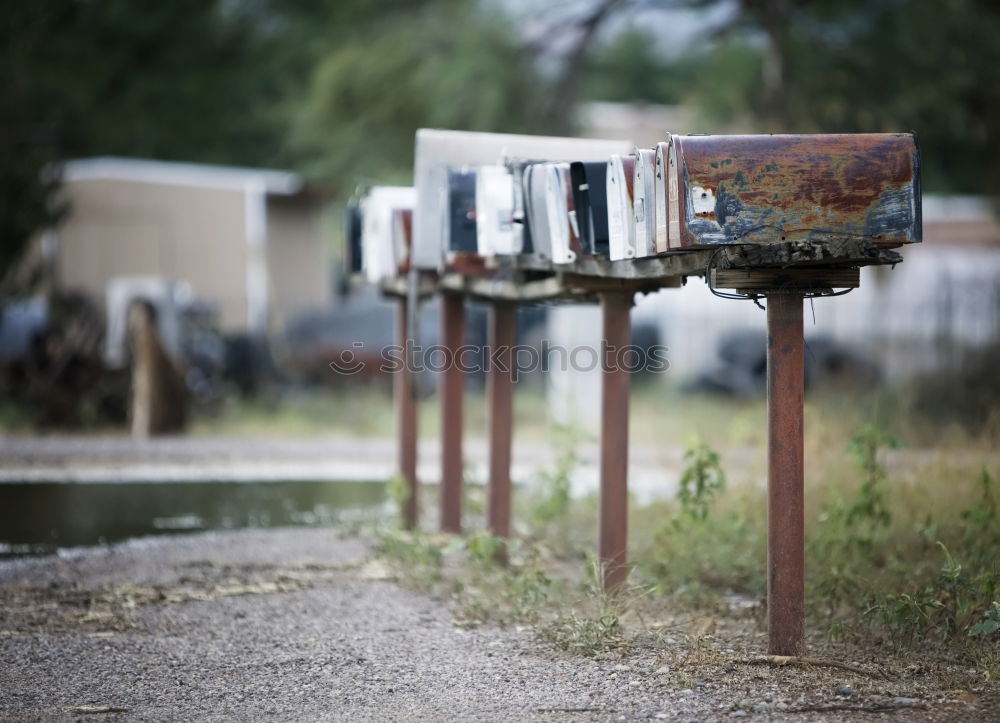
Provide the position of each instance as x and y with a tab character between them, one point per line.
419	559
990	623
553	491
870	506
399	492
594	635
702	547
485	549
948	605
701	480
982	532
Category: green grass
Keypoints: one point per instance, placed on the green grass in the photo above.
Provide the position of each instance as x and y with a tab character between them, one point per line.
900	554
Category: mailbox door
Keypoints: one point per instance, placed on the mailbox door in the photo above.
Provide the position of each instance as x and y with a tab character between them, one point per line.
352	229
538	214
495	211
763	189
522	229
462	211
563	230
380	253
660	193
591	201
673	197
621	227
643	202
402	234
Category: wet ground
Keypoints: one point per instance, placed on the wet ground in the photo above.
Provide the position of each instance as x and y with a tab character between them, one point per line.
41	517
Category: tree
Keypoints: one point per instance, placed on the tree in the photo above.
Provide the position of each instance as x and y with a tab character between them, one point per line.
863	66
173	80
630	68
368	95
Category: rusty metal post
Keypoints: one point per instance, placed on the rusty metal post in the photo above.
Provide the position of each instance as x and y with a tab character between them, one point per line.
406	420
452	389
499	410
785	493
613	523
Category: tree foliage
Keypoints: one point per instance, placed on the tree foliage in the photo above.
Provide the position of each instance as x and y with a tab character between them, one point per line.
850	66
337	87
368	95
174	80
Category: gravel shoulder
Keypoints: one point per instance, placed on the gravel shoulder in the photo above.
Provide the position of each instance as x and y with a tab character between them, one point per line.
299	624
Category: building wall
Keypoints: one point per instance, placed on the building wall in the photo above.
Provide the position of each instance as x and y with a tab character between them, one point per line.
298	257
119	228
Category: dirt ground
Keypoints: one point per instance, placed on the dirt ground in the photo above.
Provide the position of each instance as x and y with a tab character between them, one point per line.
303	625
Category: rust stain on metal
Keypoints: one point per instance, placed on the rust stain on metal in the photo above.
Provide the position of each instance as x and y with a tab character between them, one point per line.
759	189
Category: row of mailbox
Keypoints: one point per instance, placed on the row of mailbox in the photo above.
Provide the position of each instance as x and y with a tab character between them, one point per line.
485	195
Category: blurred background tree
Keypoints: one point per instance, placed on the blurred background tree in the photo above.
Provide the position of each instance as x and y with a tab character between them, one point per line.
441	65
849	66
336	88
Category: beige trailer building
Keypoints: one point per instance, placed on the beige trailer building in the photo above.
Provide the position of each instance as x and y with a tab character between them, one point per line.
248	240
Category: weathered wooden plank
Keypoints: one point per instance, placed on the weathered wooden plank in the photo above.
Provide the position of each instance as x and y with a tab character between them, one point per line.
529	279
804	279
839	252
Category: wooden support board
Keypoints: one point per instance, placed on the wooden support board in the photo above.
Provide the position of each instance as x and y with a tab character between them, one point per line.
529	279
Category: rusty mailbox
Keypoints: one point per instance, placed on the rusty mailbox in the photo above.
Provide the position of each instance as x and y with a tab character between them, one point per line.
767	188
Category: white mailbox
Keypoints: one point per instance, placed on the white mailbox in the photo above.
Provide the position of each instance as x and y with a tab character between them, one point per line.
536	208
382	250
644	203
661	191
564	233
621	223
495	212
437	151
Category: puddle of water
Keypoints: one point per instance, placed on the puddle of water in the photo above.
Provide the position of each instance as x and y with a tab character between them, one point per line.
39	518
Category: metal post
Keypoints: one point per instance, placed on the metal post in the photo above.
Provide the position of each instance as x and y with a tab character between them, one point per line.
452	388
499	394
613	523
785	495
406	420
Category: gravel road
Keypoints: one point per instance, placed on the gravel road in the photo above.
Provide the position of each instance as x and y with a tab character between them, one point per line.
299	625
